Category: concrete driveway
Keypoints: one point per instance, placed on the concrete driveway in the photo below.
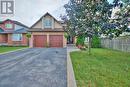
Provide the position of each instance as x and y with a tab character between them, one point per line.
34	67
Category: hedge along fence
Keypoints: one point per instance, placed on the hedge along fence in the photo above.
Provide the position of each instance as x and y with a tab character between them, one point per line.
121	44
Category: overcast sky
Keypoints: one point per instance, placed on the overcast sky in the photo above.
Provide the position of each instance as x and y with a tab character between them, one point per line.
110	1
29	11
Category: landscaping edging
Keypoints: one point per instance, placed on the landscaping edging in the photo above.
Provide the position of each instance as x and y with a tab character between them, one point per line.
71	82
13	51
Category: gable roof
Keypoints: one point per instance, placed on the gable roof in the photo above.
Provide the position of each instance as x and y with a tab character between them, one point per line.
22	30
44	16
18	23
15	22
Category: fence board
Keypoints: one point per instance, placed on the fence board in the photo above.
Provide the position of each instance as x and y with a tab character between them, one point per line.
121	44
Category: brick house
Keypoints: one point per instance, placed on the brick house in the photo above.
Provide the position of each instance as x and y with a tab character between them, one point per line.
13	33
47	32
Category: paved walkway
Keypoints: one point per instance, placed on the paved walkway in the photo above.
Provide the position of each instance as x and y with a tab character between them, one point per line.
35	67
70	73
72	47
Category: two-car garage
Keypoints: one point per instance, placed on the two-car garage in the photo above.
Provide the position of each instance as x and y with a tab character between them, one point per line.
48	32
48	41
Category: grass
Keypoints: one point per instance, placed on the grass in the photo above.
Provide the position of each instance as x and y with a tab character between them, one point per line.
7	49
103	68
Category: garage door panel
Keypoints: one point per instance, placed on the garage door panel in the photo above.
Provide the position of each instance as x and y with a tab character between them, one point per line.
56	40
40	40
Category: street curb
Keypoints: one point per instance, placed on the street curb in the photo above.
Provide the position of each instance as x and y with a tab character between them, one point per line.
71	82
13	51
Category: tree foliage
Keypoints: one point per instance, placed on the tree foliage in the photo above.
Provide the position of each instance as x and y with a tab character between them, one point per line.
28	35
96	43
93	17
87	16
80	40
119	24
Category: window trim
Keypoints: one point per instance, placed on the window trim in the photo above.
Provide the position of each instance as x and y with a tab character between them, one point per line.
8	24
48	19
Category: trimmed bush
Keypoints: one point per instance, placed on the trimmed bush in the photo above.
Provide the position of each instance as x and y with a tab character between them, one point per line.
80	40
96	42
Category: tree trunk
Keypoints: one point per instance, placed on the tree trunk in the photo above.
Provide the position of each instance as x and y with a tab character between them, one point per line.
89	45
28	41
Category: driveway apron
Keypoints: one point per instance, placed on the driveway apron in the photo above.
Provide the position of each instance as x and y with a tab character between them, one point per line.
34	67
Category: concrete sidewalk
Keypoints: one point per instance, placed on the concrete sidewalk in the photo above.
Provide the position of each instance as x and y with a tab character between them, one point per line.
71	82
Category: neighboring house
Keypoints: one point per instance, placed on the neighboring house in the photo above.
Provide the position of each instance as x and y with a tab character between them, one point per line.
47	32
13	33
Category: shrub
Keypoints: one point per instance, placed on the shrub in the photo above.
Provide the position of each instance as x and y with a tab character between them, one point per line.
96	42
66	35
28	35
80	40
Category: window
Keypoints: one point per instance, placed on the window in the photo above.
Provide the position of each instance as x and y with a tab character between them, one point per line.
17	37
47	23
1	30
8	26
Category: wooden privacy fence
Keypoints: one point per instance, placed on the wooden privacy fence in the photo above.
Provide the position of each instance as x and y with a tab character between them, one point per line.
121	44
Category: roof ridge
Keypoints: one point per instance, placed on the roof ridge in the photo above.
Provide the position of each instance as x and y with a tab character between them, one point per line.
15	22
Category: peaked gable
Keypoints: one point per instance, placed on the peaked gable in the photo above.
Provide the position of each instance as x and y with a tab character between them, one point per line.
15	22
39	23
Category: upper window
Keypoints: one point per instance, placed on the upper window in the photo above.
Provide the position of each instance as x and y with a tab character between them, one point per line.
9	26
47	23
17	37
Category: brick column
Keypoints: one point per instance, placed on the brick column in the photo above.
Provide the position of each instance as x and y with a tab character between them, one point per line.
10	39
48	39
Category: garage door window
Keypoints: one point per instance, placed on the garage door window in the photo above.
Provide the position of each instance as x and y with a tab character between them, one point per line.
17	37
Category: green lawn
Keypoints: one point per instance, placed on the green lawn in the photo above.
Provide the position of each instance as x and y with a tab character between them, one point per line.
103	68
7	49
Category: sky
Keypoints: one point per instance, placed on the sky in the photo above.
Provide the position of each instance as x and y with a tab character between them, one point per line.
29	11
110	1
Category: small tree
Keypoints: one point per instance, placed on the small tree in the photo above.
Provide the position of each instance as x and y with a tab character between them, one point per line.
96	43
85	16
28	35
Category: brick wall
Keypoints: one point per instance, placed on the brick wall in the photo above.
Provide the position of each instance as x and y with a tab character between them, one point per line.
23	42
3	38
